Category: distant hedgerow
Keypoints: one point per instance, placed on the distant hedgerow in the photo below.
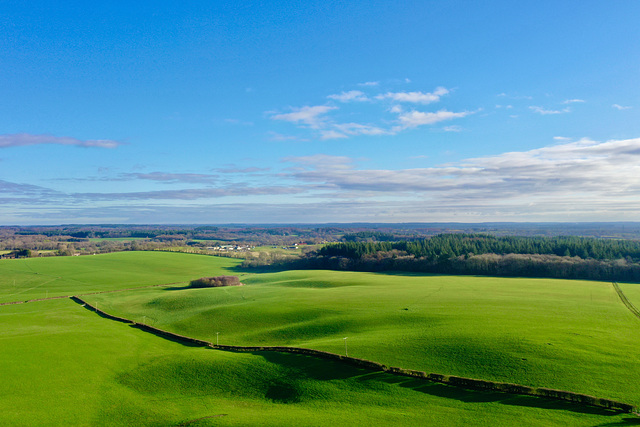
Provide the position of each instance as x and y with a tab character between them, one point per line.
214	282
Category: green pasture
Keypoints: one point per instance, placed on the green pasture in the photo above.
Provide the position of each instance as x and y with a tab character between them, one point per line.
62	364
632	292
30	278
571	335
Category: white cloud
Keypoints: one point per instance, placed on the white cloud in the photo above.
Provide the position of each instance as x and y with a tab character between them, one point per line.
327	127
310	116
359	129
544	112
23	139
275	136
238	122
620	107
505	95
331	134
414	118
352	95
415	97
454	128
172	178
573	101
369	84
322	161
192	194
573	173
561	138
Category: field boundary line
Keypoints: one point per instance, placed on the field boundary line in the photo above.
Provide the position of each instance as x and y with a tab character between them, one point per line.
632	308
462	382
89	293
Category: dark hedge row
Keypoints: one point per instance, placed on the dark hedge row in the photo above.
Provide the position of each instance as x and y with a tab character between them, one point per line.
215	282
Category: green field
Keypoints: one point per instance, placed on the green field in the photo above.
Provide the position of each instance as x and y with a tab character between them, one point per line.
62	364
31	278
572	335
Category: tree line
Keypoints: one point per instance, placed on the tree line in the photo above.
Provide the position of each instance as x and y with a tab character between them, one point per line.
443	246
478	254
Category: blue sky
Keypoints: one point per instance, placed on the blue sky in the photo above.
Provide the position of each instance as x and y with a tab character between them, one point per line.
319	111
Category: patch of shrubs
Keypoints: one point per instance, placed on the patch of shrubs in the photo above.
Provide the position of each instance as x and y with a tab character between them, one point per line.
215	282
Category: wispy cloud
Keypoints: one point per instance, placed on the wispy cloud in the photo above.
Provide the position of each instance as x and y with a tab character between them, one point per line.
321	161
544	111
620	107
581	179
359	129
573	101
191	194
233	169
505	95
369	84
328	127
415	97
331	134
309	116
172	178
414	118
24	139
350	96
238	122
579	171
27	190
275	136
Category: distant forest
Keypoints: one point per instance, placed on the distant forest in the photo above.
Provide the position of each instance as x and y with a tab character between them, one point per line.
597	251
568	257
444	246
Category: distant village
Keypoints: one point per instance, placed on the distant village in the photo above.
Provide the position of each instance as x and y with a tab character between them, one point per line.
245	248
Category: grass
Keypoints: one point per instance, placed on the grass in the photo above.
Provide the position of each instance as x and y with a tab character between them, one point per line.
572	335
30	278
632	292
64	365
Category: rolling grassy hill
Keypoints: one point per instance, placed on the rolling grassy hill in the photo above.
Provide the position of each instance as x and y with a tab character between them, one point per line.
63	364
31	278
572	335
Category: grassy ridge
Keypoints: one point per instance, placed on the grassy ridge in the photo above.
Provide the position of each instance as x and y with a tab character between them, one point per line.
569	335
63	365
24	279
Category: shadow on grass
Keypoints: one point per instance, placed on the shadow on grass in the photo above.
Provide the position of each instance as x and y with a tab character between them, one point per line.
188	342
263	269
177	288
631	421
313	367
478	396
319	369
